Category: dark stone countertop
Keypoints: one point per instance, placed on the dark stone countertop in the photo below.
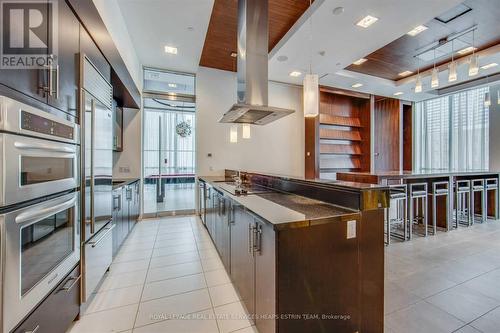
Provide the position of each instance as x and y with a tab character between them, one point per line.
285	210
428	173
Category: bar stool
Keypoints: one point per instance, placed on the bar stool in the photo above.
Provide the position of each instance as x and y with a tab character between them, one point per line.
418	194
477	185
463	203
440	189
492	185
398	196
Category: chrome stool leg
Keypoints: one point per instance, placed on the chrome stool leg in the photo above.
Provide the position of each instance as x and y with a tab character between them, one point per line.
417	194
439	189
478	185
463	203
398	198
492	185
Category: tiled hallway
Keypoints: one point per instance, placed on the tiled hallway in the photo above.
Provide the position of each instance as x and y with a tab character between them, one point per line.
167	277
169	268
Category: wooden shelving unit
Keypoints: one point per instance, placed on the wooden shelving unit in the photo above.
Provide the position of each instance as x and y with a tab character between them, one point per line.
340	137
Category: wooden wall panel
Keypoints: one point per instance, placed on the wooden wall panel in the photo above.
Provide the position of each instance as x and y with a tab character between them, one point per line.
221	38
386	122
407	138
311	148
364	111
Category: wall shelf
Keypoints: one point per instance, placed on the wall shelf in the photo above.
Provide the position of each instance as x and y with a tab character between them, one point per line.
326	119
340	135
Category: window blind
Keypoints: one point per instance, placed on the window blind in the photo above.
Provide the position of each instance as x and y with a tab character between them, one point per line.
452	132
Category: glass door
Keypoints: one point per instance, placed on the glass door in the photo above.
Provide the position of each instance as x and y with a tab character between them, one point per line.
169	143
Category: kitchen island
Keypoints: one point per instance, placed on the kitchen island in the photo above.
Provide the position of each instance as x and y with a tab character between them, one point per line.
305	256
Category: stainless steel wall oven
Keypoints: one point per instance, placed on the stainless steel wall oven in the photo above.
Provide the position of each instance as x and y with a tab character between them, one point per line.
39	207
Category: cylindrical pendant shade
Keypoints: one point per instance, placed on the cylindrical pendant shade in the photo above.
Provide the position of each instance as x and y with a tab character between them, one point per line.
418	85
452	69
245	131
435	78
233	134
311	95
473	66
498	97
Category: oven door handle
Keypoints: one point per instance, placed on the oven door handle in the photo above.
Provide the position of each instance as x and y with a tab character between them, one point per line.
39	214
46	147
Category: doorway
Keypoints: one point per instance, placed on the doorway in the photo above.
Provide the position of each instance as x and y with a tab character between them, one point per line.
169	136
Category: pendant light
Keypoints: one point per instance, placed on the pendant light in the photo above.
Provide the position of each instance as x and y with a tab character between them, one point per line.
435	74
311	83
473	63
233	134
418	85
498	97
245	131
452	68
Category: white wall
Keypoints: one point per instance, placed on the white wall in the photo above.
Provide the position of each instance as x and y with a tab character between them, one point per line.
115	23
274	148
130	157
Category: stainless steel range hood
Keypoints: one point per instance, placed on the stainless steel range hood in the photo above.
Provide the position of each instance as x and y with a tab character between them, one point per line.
253	33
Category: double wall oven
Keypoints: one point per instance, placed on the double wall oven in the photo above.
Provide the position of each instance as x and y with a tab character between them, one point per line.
39	206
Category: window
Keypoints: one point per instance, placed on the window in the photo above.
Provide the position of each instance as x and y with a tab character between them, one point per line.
452	132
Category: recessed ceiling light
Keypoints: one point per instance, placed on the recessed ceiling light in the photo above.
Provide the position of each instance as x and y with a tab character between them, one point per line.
366	21
282	58
172	85
405	73
170	49
357	85
415	31
338	10
398	93
360	61
234	54
295	74
467	50
488	66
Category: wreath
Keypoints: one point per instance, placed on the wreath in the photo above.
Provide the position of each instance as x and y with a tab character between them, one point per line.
183	129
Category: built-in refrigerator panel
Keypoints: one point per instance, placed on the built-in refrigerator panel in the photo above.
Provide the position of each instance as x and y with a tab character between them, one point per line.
98	165
97	178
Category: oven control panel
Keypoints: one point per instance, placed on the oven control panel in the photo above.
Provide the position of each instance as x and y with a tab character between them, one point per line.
35	123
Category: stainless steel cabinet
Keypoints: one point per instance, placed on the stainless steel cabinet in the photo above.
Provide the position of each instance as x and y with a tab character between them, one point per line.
117	219
126	208
117	128
202	201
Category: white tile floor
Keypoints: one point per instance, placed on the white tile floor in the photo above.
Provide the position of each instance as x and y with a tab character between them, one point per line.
168	278
445	283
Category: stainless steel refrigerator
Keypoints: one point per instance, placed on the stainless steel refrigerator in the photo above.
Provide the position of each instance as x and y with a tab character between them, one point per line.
97	177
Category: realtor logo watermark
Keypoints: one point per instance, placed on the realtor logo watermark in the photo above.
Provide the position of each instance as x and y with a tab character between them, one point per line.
28	34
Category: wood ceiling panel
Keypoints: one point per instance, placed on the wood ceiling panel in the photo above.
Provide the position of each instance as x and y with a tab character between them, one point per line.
399	55
221	37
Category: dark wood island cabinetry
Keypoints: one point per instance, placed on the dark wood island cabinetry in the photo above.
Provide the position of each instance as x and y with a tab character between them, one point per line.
305	256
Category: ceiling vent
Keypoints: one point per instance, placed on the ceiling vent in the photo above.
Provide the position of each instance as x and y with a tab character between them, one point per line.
453	13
